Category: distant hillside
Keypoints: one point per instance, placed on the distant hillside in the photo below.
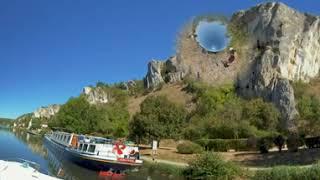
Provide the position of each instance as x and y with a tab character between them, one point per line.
5	121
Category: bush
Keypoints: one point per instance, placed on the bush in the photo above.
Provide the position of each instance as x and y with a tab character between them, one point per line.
211	166
279	141
264	144
188	147
223	145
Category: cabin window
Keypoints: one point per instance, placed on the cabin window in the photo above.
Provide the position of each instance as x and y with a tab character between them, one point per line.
92	148
80	147
69	138
85	147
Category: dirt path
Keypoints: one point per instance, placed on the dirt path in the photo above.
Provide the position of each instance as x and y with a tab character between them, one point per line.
251	160
148	159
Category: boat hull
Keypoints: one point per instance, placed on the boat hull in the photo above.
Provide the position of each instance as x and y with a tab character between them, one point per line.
88	162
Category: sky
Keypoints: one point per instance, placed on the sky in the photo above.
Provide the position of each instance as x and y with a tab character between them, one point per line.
51	49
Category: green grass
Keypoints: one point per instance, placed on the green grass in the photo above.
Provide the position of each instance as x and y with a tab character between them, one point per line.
166	171
289	173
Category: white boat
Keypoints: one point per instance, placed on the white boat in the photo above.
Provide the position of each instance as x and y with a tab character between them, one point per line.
22	169
95	152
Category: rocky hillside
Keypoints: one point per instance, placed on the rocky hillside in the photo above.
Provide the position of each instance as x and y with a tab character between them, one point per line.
275	45
46	112
284	46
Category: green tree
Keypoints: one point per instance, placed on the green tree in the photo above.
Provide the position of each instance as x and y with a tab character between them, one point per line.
159	118
213	98
309	109
261	114
116	117
36	123
78	116
220	113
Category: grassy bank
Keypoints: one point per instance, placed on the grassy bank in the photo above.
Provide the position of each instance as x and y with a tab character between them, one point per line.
158	171
289	173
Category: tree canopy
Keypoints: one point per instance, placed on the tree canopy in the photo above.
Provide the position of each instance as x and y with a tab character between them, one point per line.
79	116
159	118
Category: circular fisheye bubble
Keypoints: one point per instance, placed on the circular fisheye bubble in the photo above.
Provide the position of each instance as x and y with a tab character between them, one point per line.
212	36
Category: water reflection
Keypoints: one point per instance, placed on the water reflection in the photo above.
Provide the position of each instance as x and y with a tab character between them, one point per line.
212	36
64	169
20	144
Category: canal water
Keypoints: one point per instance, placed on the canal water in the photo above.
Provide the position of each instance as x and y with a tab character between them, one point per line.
20	144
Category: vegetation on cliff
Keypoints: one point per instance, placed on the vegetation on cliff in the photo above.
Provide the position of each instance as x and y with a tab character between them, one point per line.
220	113
308	105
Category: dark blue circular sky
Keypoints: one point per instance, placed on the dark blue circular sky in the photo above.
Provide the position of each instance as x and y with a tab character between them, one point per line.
212	36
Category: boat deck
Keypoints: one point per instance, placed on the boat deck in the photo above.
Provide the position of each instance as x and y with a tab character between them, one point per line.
15	170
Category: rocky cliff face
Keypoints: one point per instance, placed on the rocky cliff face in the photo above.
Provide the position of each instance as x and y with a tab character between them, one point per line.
96	95
281	45
46	112
167	71
154	76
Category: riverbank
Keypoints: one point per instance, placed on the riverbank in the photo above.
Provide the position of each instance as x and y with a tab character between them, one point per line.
167	153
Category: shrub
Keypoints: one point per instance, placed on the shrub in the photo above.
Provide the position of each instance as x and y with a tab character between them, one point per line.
264	144
222	145
279	142
188	147
211	166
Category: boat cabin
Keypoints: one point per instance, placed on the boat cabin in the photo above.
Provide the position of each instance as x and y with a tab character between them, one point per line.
97	146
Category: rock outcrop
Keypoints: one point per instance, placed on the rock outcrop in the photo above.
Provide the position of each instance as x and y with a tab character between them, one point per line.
154	75
46	112
96	95
160	72
281	46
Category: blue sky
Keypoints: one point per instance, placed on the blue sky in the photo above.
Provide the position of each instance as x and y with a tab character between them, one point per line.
50	49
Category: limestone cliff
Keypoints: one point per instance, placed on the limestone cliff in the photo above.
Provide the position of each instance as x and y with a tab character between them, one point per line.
46	112
283	47
154	76
163	72
96	95
277	45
